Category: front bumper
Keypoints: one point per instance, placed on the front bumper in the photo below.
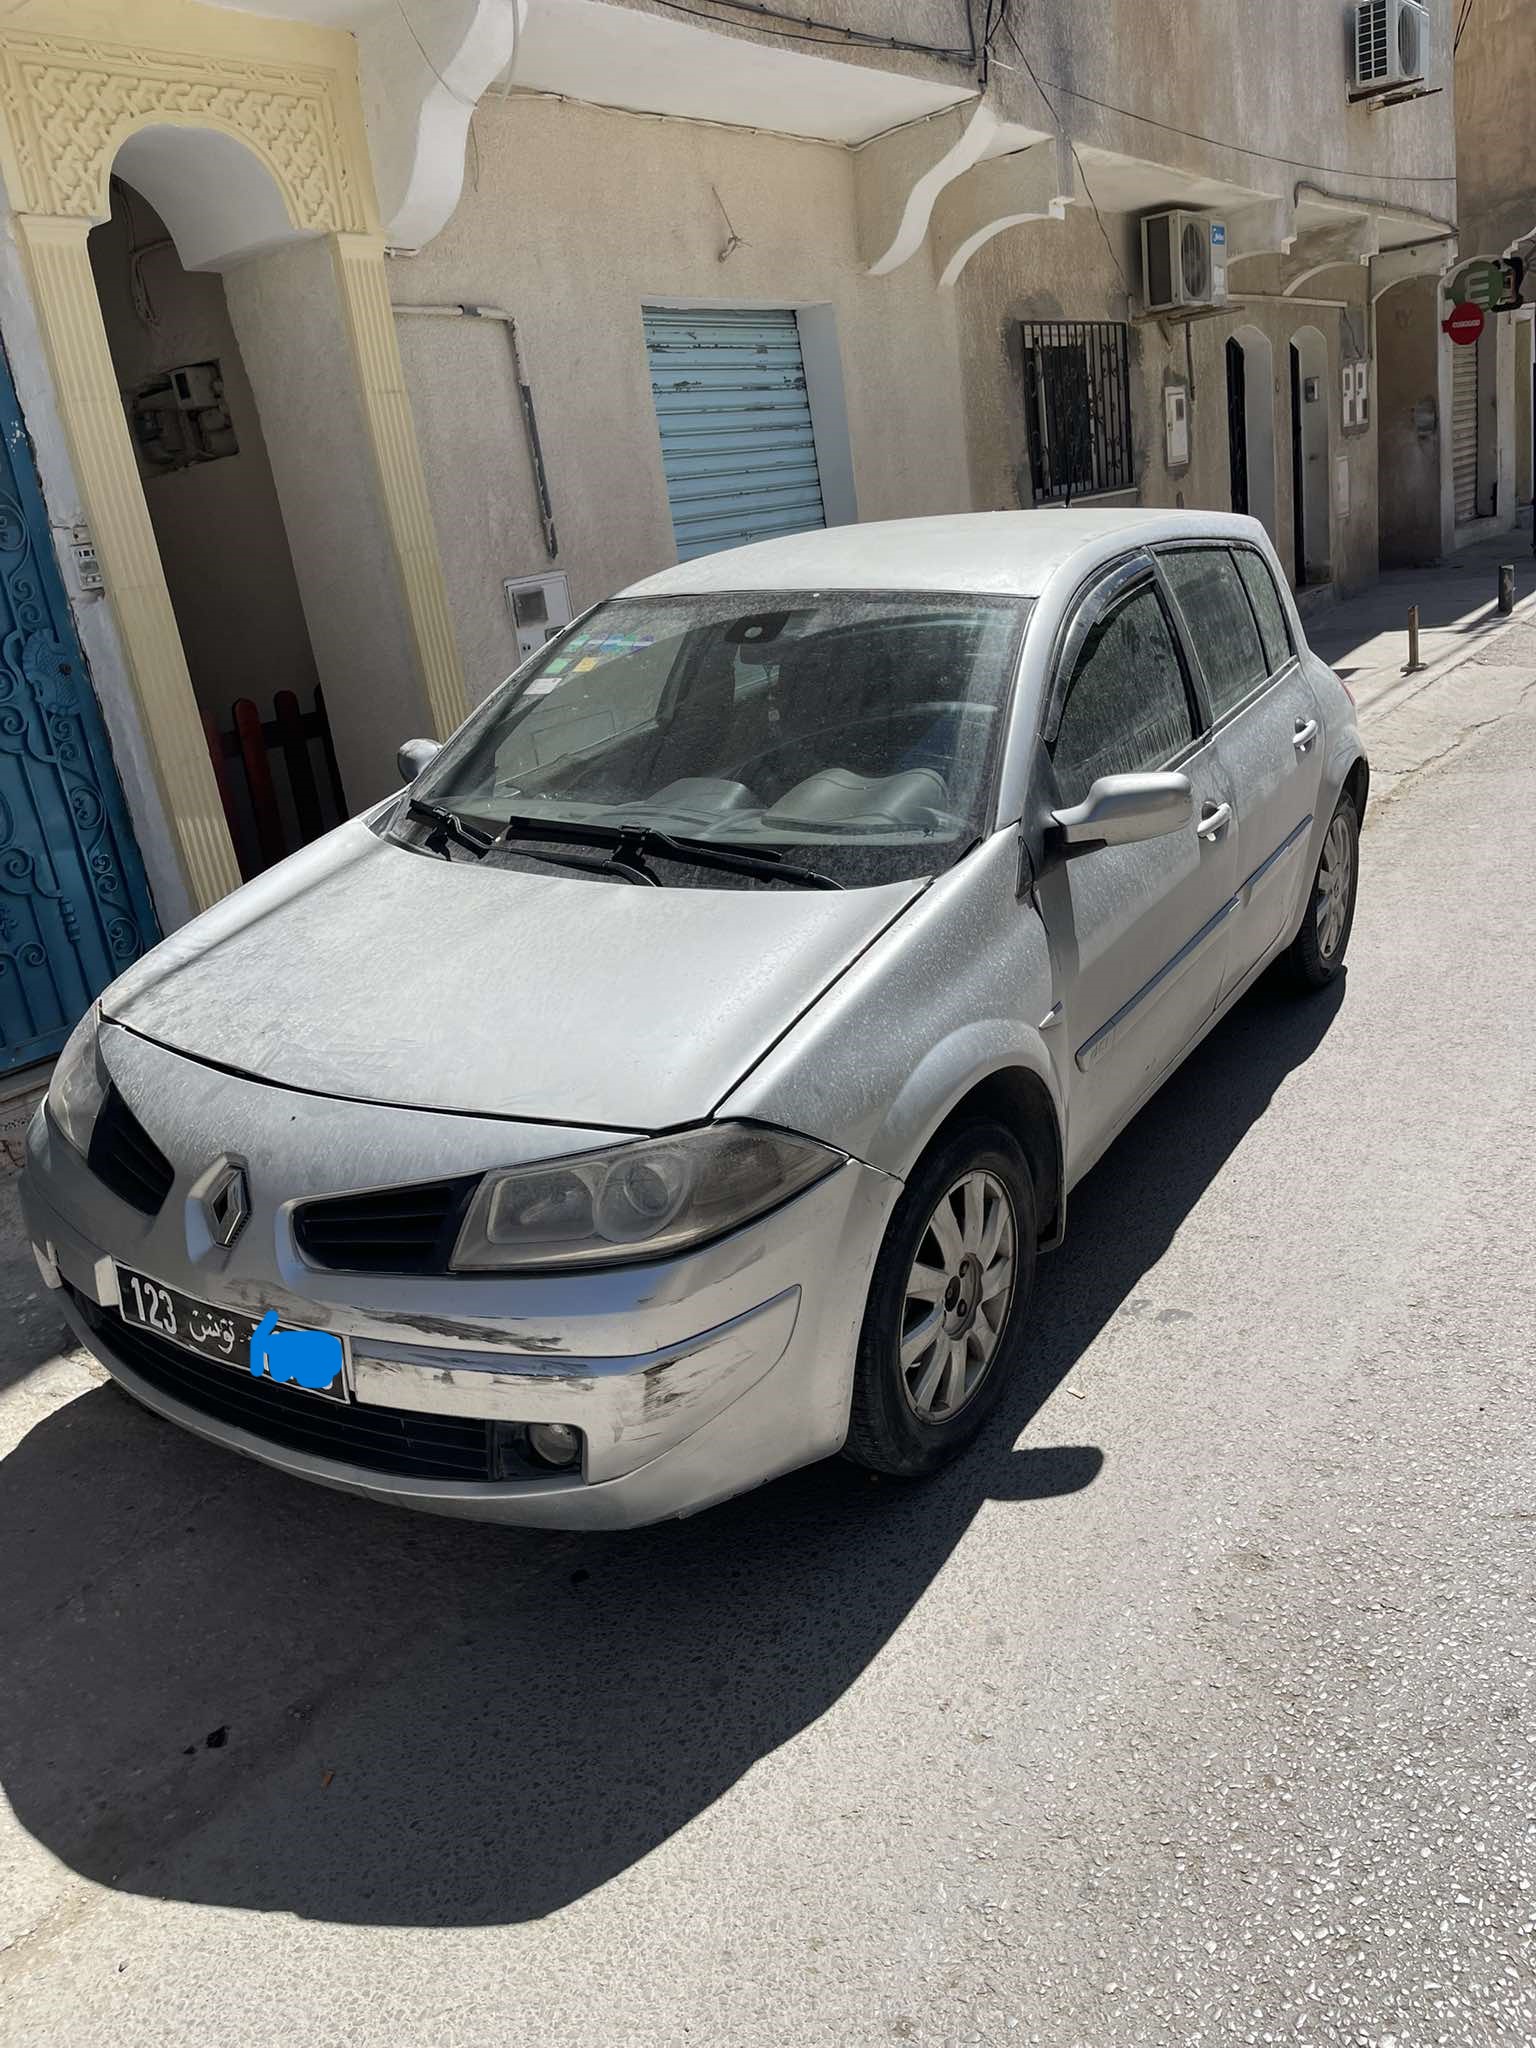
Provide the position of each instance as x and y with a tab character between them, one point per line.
690	1380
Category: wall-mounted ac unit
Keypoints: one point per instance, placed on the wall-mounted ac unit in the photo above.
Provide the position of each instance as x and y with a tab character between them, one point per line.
1183	261
1392	44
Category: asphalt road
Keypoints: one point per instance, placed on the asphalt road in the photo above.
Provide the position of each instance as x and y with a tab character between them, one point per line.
1195	1706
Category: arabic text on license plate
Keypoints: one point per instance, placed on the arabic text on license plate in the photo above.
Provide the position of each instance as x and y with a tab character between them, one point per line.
220	1334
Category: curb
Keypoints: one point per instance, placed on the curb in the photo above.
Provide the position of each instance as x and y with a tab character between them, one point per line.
1407	687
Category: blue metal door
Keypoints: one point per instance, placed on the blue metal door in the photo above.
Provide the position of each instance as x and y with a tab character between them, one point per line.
74	904
737	442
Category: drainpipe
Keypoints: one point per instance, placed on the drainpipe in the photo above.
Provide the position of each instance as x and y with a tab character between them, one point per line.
524	399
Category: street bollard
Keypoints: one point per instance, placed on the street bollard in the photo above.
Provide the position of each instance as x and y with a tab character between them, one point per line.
1506	587
1414	663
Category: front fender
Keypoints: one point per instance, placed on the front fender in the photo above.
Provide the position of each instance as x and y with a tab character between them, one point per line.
948	996
947	1073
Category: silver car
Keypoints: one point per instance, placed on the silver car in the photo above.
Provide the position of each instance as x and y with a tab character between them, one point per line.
677	1081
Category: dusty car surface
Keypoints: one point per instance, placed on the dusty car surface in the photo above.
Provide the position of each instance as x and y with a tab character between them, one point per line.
676	1081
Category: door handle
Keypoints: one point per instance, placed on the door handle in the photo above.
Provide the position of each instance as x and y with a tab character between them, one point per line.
1306	733
1214	822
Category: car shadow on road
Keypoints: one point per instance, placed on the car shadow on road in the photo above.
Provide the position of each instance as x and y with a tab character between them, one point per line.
220	1685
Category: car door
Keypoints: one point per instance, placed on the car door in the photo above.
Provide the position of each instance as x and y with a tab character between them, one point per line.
1266	726
1137	933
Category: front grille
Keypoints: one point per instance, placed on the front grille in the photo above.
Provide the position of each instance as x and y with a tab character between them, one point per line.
393	1230
126	1158
392	1440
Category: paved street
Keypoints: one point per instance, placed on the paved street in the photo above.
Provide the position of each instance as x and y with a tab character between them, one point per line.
1195	1706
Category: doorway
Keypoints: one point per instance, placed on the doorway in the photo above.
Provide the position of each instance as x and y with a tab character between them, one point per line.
1310	506
218	525
1237	423
1250	359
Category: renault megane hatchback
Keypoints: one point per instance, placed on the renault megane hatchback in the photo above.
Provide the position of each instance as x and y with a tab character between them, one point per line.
677	1080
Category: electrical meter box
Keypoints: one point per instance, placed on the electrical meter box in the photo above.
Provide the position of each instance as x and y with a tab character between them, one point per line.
540	606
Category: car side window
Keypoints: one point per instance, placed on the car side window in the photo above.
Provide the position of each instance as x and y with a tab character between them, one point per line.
1255	572
1126	706
1215	605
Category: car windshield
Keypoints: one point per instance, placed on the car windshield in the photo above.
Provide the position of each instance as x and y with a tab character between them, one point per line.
854	733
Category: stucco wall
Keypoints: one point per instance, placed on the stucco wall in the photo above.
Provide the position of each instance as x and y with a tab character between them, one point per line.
218	524
1215	86
1495	92
573	219
1212	86
1063	270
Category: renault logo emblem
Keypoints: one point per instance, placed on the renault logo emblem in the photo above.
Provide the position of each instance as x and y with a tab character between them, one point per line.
227	1204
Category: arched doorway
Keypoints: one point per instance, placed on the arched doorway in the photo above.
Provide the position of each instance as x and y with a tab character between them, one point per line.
203	463
1310	405
1250	360
247	138
252	346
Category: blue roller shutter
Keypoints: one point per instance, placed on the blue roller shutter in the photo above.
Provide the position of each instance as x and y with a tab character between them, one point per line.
736	438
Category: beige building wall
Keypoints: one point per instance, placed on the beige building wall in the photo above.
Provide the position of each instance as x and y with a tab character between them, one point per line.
1495	96
1496	163
1051	270
572	220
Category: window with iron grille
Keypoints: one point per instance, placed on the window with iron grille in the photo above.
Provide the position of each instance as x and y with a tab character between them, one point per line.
1077	403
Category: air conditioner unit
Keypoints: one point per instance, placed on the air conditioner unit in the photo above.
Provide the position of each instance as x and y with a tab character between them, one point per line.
1392	45
1183	261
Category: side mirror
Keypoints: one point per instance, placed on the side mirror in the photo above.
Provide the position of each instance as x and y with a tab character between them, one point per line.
1121	810
414	756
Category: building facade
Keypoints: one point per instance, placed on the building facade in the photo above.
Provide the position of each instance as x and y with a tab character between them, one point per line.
1495	56
354	343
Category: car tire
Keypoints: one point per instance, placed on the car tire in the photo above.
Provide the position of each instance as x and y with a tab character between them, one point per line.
1317	952
916	1408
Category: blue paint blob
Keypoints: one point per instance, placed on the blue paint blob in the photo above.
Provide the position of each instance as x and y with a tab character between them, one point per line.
310	1358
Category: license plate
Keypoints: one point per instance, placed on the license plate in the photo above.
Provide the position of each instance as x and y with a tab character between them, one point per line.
220	1334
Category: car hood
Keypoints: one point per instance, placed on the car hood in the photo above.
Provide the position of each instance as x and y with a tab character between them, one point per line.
361	969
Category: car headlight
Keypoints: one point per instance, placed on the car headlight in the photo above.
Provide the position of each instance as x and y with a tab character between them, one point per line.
79	1083
638	1201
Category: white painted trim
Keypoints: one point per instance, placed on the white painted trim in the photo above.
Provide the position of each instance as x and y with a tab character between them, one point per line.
829	413
920	201
422	68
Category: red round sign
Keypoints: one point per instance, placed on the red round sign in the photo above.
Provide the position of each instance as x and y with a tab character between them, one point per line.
1466	323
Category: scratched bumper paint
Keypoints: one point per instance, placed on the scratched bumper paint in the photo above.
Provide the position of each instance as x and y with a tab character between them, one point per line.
691	1379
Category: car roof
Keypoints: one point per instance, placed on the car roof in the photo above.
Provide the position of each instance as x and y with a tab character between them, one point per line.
1002	554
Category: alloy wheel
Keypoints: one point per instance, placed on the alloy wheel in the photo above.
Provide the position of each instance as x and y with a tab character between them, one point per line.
1335	876
958	1295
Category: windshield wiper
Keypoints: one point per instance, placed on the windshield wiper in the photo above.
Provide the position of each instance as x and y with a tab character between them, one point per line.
632	845
448	825
445	826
